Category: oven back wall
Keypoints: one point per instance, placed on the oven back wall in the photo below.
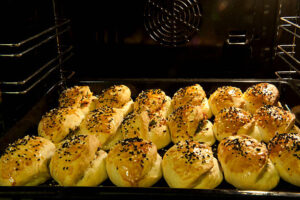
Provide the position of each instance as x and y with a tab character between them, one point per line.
230	38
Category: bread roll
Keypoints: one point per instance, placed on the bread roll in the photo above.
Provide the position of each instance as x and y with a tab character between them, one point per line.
190	164
148	120
56	124
225	97
246	163
134	162
103	123
77	97
79	161
284	153
151	127
188	122
116	96
25	162
234	121
259	95
192	95
271	120
153	101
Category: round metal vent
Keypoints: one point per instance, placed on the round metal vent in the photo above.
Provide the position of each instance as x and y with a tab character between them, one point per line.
172	22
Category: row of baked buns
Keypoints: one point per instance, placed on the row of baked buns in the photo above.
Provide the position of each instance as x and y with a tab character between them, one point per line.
84	125
79	161
154	116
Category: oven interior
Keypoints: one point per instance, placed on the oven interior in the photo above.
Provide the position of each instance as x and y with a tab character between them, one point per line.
46	46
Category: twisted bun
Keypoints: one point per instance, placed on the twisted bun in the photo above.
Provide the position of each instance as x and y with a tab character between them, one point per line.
259	95
246	163
191	164
284	153
188	122
134	162
225	97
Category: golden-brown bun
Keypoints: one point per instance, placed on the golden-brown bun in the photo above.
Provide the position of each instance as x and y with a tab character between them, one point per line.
234	121
56	124
246	163
192	95
191	164
225	97
25	162
271	120
151	127
78	161
103	123
284	153
153	101
148	120
259	95
134	162
188	122
77	97
115	96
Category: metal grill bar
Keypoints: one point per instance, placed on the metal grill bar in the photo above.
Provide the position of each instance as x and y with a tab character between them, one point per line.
40	79
19	44
37	71
36	45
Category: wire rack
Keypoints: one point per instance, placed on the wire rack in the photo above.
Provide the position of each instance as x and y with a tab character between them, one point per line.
288	53
30	48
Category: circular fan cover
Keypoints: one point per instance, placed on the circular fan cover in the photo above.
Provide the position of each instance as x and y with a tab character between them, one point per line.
172	22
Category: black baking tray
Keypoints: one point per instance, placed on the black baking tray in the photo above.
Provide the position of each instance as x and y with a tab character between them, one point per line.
289	98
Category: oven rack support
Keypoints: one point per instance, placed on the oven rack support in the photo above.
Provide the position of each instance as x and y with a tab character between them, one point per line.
24	47
287	52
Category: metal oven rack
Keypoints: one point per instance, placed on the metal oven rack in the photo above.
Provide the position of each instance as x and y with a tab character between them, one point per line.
21	49
288	51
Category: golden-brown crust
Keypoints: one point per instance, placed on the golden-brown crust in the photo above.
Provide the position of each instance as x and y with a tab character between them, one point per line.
242	154
192	95
189	122
77	96
132	158
102	122
188	163
152	100
24	162
72	158
115	96
225	97
56	124
259	95
246	163
151	127
232	121
272	120
148	120
285	154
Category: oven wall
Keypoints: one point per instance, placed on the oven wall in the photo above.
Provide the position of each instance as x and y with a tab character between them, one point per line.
111	40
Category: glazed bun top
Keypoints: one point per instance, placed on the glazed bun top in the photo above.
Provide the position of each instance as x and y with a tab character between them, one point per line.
192	95
272	120
115	96
191	156
152	100
224	97
259	95
77	96
133	159
242	154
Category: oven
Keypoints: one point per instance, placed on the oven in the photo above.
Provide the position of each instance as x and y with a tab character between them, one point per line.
48	46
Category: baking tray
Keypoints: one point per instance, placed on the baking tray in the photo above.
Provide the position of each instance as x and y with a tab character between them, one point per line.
289	97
